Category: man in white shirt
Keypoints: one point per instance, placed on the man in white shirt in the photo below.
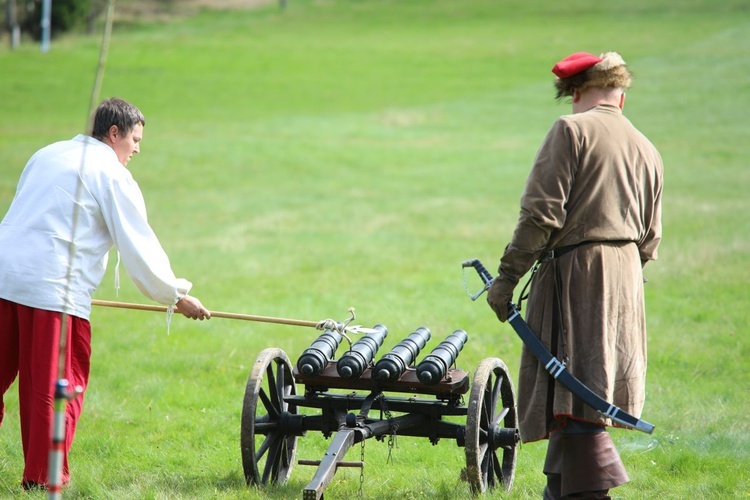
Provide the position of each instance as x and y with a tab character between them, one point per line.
75	200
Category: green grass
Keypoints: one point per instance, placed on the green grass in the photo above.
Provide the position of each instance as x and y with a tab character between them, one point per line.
353	153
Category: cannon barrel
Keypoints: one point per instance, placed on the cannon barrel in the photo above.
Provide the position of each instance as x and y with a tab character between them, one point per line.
315	358
354	361
435	365
393	364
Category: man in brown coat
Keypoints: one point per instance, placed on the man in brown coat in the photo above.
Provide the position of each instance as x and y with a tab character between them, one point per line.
591	216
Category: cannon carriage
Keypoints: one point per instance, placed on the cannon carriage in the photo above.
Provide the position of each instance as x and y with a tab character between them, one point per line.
364	397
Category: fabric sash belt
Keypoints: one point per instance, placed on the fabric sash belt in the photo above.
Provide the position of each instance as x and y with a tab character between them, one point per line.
560	251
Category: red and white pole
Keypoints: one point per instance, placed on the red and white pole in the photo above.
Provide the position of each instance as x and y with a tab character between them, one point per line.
57	451
63	394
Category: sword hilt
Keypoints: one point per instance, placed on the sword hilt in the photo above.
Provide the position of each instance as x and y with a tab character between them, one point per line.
481	270
484	274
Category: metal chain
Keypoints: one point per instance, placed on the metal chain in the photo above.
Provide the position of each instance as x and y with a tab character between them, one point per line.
466	283
392	426
362	470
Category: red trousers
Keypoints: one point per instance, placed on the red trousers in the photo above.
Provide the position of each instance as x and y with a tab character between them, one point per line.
29	340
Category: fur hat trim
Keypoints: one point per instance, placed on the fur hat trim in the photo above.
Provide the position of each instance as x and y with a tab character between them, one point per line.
610	71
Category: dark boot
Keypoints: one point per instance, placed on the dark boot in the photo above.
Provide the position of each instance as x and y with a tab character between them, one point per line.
589	495
553	489
553	467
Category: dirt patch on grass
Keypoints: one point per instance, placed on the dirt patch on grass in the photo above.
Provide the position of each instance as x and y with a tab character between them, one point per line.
231	4
166	10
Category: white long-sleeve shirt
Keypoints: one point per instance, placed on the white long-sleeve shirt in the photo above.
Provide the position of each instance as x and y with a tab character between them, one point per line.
37	232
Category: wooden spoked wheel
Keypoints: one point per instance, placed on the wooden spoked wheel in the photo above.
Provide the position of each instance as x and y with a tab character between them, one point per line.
267	446
491	428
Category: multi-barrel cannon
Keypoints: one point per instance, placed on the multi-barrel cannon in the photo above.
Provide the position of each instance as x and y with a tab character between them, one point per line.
372	407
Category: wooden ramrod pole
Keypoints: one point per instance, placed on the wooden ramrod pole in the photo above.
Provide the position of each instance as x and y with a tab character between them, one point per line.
214	314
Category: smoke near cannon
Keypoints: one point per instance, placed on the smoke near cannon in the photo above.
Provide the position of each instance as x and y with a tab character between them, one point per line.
434	366
394	363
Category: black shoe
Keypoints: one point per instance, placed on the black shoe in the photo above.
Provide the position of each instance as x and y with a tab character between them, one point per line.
33	486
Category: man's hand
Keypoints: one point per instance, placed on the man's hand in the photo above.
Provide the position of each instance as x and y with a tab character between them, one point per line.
192	308
500	294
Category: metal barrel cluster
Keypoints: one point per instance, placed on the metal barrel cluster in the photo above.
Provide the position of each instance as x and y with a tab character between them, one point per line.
392	365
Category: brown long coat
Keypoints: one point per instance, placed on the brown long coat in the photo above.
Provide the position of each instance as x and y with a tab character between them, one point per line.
595	179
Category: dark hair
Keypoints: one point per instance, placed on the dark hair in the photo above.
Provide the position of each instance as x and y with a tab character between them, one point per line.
115	111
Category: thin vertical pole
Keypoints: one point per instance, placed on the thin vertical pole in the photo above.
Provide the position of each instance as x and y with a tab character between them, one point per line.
46	24
63	393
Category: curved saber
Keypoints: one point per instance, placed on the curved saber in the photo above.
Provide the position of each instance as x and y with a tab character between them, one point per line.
554	366
244	317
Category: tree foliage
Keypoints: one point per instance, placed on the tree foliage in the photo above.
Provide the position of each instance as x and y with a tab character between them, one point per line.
65	15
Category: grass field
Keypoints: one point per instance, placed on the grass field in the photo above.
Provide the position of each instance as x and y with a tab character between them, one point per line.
352	153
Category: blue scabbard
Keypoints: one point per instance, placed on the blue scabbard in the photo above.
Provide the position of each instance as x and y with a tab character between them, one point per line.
557	369
554	366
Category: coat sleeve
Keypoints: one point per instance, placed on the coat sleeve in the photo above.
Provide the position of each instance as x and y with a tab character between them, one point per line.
649	244
543	200
146	262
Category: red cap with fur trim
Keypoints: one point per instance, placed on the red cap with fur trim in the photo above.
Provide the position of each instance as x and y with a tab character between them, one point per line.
574	64
582	70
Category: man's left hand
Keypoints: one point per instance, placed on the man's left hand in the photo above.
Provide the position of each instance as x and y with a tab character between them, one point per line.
500	295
